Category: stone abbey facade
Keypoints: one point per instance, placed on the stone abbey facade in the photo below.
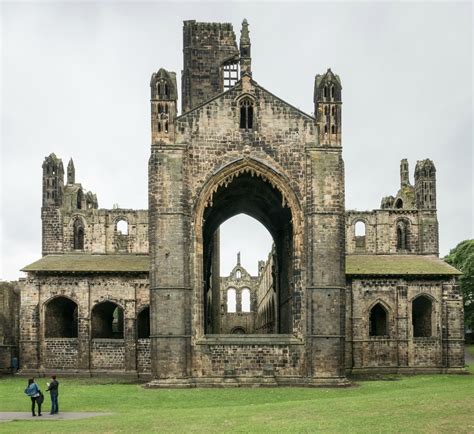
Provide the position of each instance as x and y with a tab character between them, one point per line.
139	292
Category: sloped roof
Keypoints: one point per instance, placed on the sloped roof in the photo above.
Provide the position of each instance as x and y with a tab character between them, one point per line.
87	263
398	265
356	265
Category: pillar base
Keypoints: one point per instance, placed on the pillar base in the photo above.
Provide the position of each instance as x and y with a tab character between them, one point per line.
170	383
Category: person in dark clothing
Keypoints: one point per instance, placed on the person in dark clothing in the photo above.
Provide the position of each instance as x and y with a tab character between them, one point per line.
34	392
53	389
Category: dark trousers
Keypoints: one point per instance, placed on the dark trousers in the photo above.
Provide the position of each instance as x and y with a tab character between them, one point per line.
33	401
54	403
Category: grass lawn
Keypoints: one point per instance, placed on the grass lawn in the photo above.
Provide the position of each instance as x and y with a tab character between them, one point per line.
428	403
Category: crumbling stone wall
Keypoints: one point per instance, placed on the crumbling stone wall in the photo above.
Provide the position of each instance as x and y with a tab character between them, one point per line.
400	350
9	323
129	292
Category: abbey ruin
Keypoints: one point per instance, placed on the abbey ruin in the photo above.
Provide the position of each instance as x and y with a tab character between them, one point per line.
140	293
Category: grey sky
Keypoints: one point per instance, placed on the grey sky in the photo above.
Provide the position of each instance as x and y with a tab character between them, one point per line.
75	81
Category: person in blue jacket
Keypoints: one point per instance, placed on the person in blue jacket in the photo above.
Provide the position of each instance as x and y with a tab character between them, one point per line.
34	392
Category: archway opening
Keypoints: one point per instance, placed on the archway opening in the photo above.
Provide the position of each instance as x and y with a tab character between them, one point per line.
143	324
421	317
378	321
107	321
255	197
61	318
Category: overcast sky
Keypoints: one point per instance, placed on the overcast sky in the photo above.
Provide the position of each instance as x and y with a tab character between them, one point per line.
75	81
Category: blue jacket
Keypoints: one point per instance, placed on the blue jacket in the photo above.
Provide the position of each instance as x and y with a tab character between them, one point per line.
32	390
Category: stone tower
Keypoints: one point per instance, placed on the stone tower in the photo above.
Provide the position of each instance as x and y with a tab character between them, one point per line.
53	189
71	173
425	199
328	108
404	173
164	97
245	54
207	47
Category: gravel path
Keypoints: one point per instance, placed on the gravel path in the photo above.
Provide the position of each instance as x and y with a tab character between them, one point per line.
8	416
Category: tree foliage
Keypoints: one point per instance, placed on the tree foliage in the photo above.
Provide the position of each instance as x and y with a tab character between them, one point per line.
462	257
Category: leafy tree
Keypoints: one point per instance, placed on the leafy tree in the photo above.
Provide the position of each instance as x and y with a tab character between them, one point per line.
462	257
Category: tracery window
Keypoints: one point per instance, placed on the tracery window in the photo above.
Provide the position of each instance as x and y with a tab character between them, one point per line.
246	114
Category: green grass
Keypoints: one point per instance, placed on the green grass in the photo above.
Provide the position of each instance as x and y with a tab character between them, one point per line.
428	403
470	349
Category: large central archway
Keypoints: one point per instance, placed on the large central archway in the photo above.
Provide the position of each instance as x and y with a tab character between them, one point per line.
256	190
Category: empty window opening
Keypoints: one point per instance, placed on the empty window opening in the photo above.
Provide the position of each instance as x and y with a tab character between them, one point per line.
326	128
238	331
61	318
159	127
399	203
230	75
359	229
378	321
231	301
80	197
421	317
166	126
166	90
160	108
159	88
332	91
325	92
333	110
122	227
143	324
107	321
78	235
333	129
246	300
326	110
246	114
238	274
402	236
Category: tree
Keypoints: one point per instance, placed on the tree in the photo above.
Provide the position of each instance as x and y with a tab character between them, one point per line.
462	257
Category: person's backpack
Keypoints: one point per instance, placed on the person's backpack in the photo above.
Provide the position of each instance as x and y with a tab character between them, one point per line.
40	397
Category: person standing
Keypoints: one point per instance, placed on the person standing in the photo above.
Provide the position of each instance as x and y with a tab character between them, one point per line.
34	392
53	389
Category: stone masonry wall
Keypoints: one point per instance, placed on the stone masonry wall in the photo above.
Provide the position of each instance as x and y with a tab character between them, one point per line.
61	353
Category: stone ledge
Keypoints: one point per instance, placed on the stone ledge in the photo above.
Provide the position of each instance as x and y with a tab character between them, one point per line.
263	339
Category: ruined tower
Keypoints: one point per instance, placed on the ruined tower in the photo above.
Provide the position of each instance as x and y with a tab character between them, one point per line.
207	49
328	108
53	189
71	172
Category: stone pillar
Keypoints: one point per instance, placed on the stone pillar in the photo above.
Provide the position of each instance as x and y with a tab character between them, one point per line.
129	337
325	220
170	291
84	334
402	328
30	326
216	290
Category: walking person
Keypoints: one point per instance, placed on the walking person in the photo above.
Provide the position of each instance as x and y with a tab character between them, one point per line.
34	392
53	389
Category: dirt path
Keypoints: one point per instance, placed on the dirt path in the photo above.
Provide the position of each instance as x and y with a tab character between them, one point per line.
8	416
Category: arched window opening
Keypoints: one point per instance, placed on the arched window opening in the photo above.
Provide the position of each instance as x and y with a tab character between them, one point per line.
332	91
326	110
325	92
246	300
378	321
399	203
166	108
231	301
402	236
166	126
160	108
359	230
61	318
78	235
333	129
238	331
159	88
238	274
143	324
107	321
333	110
122	227
421	317
159	127
80	197
246	114
326	128
166	90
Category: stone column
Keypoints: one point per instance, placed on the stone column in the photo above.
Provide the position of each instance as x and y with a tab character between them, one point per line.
402	328
170	294
30	327
84	334
216	290
325	220
129	337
